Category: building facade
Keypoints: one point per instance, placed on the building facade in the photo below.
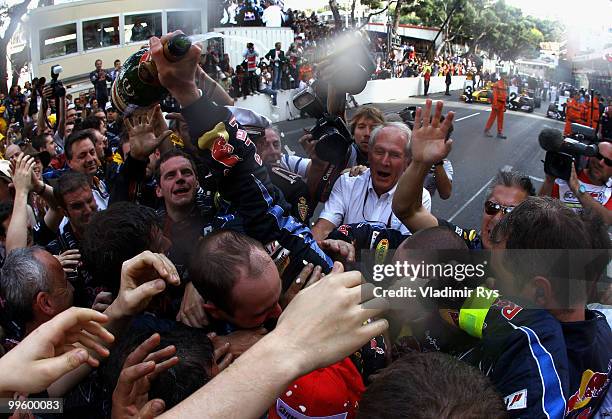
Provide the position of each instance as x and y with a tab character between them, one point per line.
75	34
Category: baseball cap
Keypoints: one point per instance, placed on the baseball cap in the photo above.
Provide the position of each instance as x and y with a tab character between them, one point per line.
109	106
254	124
5	171
332	393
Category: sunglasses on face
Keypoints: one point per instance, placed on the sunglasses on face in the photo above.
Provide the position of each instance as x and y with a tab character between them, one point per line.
606	160
492	208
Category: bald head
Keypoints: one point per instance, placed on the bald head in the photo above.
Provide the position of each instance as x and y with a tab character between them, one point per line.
431	239
12	151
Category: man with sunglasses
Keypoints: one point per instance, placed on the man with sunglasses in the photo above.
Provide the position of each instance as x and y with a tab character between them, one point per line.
590	188
429	145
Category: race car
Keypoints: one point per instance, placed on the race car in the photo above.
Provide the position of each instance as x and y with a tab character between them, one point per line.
521	103
484	95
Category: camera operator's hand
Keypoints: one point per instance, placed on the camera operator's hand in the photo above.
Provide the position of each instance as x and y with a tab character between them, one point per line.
308	143
573	182
47	92
429	144
177	77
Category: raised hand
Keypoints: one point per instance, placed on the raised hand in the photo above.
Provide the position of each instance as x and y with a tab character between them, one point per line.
54	349
131	398
141	132
429	144
23	170
69	260
143	277
309	275
178	77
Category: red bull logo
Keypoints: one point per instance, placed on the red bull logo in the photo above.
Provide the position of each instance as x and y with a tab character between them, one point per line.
592	385
221	150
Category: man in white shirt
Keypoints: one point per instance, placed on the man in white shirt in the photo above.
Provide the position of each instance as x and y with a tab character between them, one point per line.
368	197
273	15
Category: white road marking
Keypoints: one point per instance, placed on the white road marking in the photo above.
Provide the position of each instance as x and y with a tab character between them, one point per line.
464	206
466	117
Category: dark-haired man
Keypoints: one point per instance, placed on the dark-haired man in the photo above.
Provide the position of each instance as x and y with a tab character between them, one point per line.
74	194
82	157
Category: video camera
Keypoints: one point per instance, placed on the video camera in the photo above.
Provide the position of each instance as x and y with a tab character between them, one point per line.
347	68
561	151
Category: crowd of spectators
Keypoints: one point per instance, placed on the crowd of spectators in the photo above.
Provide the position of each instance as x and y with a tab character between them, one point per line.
157	262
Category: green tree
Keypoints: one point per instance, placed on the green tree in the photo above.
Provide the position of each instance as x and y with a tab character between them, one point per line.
10	17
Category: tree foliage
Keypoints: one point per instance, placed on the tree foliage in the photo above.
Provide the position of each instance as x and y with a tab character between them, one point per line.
10	16
489	25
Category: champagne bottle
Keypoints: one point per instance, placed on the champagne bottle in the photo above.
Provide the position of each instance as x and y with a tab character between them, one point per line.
137	83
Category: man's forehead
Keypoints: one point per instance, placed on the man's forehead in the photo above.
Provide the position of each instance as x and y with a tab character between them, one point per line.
174	163
79	194
508	195
605	149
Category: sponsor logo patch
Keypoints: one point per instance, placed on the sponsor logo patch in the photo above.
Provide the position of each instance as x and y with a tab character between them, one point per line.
221	150
516	400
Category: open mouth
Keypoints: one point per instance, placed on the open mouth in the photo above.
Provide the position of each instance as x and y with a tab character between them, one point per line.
383	174
181	191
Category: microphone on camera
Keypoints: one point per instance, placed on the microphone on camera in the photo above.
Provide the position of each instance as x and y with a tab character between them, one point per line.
550	139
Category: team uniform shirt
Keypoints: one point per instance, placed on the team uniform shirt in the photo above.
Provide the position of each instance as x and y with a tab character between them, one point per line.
523	352
601	193
589	351
242	181
471	237
354	200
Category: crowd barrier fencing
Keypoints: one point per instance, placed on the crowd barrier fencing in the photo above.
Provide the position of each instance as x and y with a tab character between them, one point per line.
376	91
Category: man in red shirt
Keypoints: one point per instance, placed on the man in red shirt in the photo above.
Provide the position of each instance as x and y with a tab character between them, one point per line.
590	188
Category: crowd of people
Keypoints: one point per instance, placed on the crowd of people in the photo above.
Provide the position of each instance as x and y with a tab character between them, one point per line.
165	263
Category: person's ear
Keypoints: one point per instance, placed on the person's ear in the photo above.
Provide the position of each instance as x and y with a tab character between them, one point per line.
43	304
213	310
543	294
158	192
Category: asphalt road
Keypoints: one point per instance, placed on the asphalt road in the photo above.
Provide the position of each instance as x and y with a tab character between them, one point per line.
475	158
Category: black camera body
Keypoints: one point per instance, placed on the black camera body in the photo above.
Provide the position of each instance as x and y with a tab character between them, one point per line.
55	84
561	151
333	136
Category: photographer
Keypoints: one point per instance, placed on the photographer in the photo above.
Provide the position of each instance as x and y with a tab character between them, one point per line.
589	188
98	78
